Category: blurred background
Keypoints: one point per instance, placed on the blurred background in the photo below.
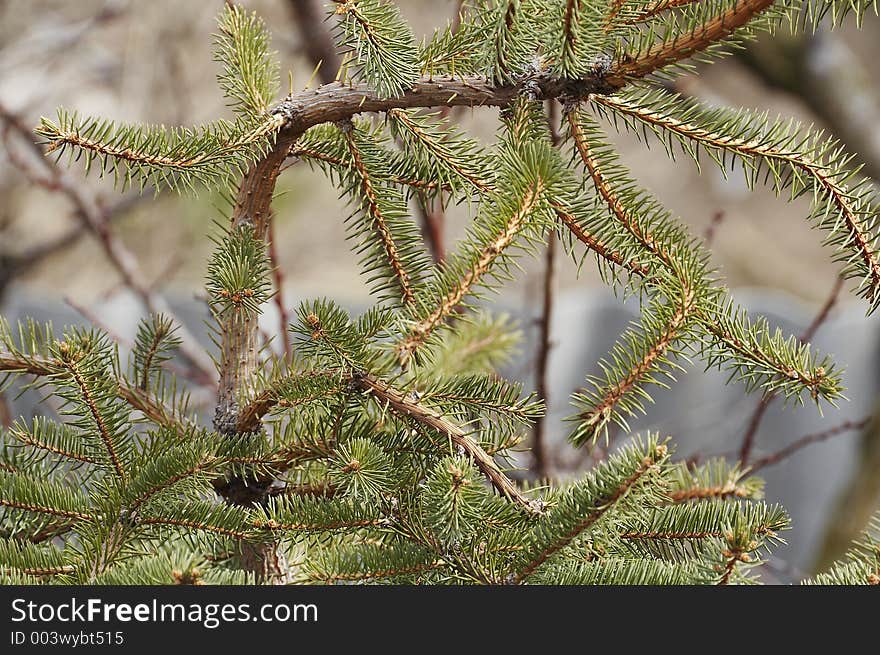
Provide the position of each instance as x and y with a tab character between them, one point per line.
72	250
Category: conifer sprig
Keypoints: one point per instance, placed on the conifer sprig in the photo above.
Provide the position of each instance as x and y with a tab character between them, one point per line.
381	43
781	153
250	71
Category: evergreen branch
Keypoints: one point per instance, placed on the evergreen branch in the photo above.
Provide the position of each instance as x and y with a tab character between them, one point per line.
301	151
290	391
226	520
379	223
195	525
603	489
860	565
581	40
148	405
757	356
420	332
44	509
677	48
686	531
772	143
32	560
616	571
19	491
382	43
594	243
716	480
250	73
450	156
639	363
373	562
764	403
95	219
153	343
46	367
158	156
70	360
54	438
403	405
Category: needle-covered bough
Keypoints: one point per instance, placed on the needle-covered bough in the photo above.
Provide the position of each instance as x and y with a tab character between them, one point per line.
380	450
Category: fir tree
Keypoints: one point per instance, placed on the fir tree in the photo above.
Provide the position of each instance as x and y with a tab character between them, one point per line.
380	449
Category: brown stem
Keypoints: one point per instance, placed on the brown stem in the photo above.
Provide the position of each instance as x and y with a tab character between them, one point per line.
137	398
448	303
379	224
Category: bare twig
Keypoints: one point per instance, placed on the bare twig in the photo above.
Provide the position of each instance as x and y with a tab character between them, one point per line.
278	276
539	447
317	42
803	442
712	228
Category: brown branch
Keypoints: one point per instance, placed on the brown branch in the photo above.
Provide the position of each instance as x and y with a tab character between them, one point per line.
300	152
28	439
251	415
403	405
41	509
539	454
595	244
803	442
433	223
671	332
661	536
733	555
685	306
712	229
38	572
